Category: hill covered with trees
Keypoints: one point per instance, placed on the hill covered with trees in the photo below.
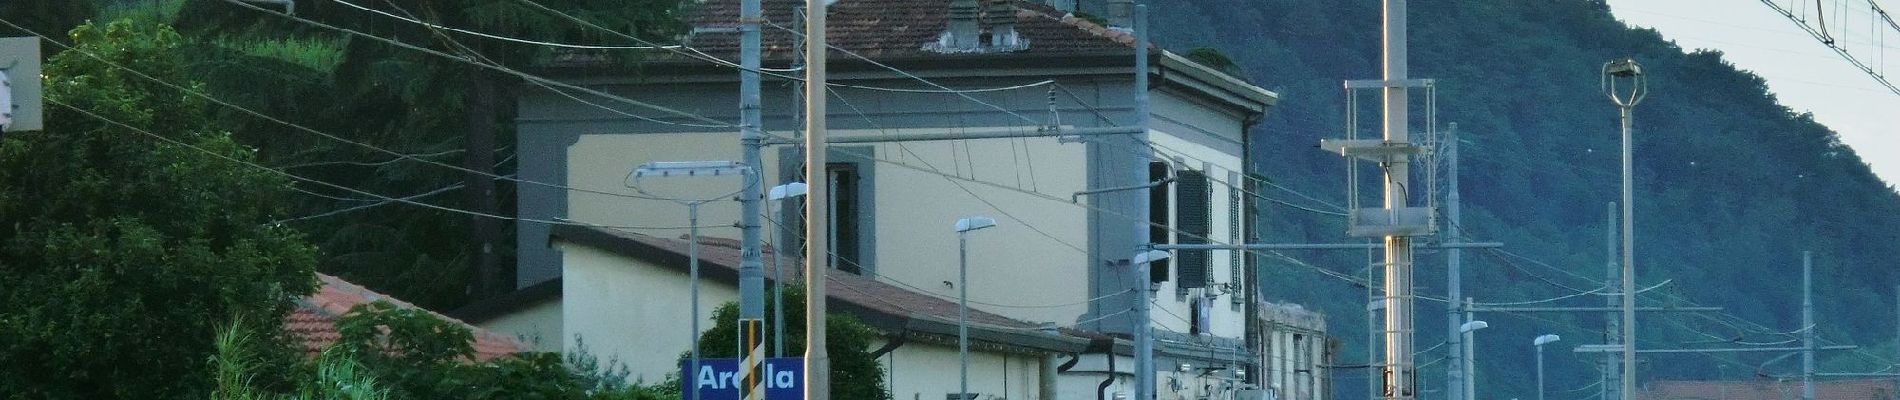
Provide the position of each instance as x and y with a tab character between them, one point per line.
1730	186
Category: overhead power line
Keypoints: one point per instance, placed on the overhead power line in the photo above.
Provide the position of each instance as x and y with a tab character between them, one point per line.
709	122
299	127
300	178
1820	33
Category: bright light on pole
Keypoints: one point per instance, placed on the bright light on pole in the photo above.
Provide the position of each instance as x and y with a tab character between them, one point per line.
692	169
1539	342
1626	100
777	193
964	227
1144	320
1471	385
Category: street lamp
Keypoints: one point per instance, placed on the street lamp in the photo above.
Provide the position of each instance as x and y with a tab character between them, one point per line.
964	227
1625	100
1539	342
692	169
780	192
1471	383
1144	320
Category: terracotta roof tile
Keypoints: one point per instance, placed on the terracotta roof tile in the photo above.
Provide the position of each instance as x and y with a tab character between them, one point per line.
313	322
886	29
723	254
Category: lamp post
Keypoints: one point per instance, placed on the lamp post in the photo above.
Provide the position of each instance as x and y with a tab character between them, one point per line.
692	169
1471	382
1614	71
1539	342
964	227
780	192
1144	327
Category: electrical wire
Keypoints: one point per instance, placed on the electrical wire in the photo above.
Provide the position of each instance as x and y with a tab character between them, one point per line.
298	127
709	122
300	178
500	37
702	56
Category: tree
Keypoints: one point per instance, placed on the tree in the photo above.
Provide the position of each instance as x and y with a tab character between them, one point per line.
386	351
855	372
121	255
444	110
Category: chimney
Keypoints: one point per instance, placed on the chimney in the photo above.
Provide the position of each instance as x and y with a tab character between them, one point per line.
1121	14
962	33
1000	16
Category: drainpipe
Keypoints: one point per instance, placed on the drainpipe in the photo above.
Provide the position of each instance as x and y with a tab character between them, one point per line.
1108	349
1046	369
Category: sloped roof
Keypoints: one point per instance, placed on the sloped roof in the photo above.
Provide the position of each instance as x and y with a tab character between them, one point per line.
885	306
1851	389
313	322
886	29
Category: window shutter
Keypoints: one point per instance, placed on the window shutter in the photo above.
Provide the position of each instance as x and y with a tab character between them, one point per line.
1158	208
1192	204
1235	273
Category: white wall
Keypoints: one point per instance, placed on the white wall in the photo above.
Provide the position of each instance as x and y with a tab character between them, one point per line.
537	326
632	311
1011	265
1225	320
1081	381
626	309
601	162
1285	359
924	370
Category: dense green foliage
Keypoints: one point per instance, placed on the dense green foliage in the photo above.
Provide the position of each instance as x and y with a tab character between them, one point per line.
364	91
855	372
1730	185
121	255
236	368
386	351
443	110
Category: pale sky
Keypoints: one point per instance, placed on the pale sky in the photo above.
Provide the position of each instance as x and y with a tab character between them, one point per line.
1804	74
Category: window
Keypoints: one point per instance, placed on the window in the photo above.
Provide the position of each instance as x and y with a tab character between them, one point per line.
849	188
846	227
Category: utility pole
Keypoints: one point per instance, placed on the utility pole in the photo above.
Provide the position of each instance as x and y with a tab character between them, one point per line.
1807	325
817	363
1612	333
1398	247
1625	103
1454	368
1144	332
751	266
1471	374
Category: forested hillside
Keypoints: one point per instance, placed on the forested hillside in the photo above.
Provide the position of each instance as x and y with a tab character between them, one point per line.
1730	185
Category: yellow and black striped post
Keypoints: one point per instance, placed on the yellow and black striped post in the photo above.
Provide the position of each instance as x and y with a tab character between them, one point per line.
752	363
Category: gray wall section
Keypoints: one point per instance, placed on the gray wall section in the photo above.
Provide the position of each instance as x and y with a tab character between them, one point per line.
550	123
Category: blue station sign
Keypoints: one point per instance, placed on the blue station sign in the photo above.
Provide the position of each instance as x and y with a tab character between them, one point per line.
718	378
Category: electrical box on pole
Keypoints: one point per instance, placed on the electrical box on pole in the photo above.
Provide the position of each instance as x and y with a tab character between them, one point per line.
1408	220
20	104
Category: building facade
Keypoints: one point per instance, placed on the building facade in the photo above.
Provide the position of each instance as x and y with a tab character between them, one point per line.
940	109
